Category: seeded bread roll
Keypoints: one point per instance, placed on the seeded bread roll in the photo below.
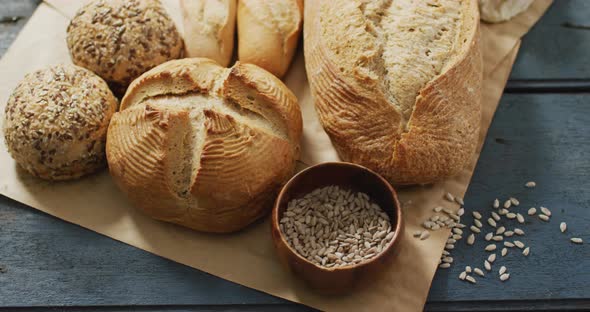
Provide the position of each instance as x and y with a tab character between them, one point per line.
397	84
204	146
56	122
268	32
121	39
209	27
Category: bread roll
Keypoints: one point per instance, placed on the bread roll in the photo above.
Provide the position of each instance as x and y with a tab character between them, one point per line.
268	32
56	122
121	39
209	27
204	146
397	85
497	11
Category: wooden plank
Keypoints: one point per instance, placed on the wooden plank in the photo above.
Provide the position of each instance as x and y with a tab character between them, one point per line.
13	16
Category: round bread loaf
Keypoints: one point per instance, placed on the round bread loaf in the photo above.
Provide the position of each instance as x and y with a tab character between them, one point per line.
397	84
204	146
121	39
56	122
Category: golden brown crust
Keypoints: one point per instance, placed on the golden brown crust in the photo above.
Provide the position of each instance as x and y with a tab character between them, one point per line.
268	32
204	146
367	124
121	39
56	122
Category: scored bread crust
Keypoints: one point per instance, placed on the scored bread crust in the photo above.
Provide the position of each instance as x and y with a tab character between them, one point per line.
268	32
209	27
204	146
428	141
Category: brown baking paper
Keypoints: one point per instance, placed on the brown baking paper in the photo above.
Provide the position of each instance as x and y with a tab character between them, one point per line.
247	257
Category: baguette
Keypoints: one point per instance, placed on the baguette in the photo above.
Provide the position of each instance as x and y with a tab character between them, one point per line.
397	85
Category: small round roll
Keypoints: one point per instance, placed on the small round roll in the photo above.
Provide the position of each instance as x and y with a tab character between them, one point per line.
121	39
56	122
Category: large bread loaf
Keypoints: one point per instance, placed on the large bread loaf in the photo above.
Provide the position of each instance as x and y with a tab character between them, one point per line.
397	84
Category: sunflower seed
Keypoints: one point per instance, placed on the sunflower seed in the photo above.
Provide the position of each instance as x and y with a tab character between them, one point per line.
470	279
526	251
461	212
546	211
508	233
530	184
468	269
492	258
457	231
417	233
518	232
447	211
504	277
462	275
504	252
470	239
532	211
424	235
496	204
445	253
475	229
498	238
544	217
449	197
503	212
447	259
477	223
476	215
487	265
502	270
520	218
507	204
514	201
434	218
492	222
451	241
511	215
490	247
576	240
457	236
562	227
495	216
500	230
435	227
508	244
519	244
444	265
459	201
437	209
489	236
478	271
449	246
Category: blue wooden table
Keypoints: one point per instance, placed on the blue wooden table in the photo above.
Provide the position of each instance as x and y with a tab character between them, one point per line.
540	132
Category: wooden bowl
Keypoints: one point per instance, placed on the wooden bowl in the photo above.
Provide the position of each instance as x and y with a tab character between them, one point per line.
350	176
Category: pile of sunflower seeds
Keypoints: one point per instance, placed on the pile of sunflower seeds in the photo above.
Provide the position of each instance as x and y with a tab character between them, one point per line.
333	227
499	237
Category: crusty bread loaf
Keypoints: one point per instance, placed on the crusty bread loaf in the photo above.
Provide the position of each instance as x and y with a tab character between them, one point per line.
268	32
204	146
397	84
497	11
56	122
209	27
121	39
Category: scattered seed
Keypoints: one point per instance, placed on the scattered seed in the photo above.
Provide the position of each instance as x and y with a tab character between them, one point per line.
492	222
492	258
457	236
518	232
562	227
514	201
502	270
504	277
478	271
462	275
532	211
520	218
504	252
470	239
508	244
477	223
489	236
434	218
435	227
487	265
468	269
445	253
519	244
503	212
460	212
511	215
451	241
424	235
496	204
490	247
507	204
544	217
470	279
476	215
475	229
495	216
498	238
449	246
444	265
500	230
447	259
417	233
508	233
576	240
526	251
459	201
530	184
457	231
460	225
437	209
449	197
546	211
